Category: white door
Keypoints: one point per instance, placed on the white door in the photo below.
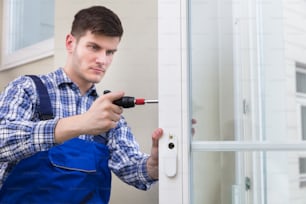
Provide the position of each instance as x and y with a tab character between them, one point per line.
232	66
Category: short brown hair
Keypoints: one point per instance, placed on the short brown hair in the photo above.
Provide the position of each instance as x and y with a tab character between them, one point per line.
97	19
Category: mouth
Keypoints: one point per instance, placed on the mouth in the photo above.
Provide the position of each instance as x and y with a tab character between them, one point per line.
98	69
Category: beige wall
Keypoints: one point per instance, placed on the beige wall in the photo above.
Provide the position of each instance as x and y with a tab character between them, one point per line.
134	70
37	67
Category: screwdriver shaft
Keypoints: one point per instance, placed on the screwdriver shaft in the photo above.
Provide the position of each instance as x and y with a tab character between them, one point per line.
151	101
142	101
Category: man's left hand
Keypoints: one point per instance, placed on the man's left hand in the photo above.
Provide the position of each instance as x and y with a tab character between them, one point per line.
152	163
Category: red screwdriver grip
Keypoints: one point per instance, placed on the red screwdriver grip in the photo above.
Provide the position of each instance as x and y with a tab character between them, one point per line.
139	101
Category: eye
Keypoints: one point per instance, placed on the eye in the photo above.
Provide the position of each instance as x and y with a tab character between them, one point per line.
93	47
110	52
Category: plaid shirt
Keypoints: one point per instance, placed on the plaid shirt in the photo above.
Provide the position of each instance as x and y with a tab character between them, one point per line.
22	134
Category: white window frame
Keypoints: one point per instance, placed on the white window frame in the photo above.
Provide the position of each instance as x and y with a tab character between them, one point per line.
28	54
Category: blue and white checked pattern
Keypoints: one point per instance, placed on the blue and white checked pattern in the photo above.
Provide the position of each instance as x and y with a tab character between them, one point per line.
22	134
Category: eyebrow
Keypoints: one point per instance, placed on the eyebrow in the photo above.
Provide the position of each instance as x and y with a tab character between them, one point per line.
95	44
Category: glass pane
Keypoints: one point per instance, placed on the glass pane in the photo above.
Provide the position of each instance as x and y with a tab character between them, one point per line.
229	177
31	21
243	86
213	177
212	76
243	74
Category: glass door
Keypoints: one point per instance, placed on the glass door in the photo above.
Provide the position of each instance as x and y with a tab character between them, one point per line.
237	68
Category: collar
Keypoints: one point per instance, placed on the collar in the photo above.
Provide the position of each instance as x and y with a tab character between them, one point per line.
62	79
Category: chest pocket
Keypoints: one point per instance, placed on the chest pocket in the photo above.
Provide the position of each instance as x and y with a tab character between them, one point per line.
75	155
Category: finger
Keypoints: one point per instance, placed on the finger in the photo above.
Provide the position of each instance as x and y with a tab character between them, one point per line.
156	135
113	113
117	109
193	121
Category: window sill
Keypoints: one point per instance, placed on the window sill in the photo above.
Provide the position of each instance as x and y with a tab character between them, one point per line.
27	55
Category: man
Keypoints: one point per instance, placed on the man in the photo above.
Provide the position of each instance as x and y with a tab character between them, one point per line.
68	158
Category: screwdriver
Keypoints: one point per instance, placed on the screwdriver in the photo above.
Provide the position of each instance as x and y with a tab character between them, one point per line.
130	102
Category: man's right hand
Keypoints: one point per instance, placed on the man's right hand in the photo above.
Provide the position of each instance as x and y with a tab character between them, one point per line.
103	114
101	117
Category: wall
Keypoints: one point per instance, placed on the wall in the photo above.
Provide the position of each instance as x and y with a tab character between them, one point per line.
37	67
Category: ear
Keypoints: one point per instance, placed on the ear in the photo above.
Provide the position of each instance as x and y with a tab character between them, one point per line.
70	42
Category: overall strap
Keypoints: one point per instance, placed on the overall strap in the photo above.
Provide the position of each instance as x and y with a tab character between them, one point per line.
44	108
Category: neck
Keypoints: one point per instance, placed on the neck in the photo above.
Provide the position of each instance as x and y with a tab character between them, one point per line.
82	84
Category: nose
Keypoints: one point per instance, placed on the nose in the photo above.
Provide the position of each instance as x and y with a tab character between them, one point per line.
101	58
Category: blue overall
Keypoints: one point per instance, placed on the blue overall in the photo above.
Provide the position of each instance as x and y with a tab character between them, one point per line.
74	172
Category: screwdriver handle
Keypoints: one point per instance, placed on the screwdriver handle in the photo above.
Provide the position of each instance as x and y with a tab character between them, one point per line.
125	101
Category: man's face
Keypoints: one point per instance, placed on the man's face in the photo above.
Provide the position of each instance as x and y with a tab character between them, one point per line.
91	56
